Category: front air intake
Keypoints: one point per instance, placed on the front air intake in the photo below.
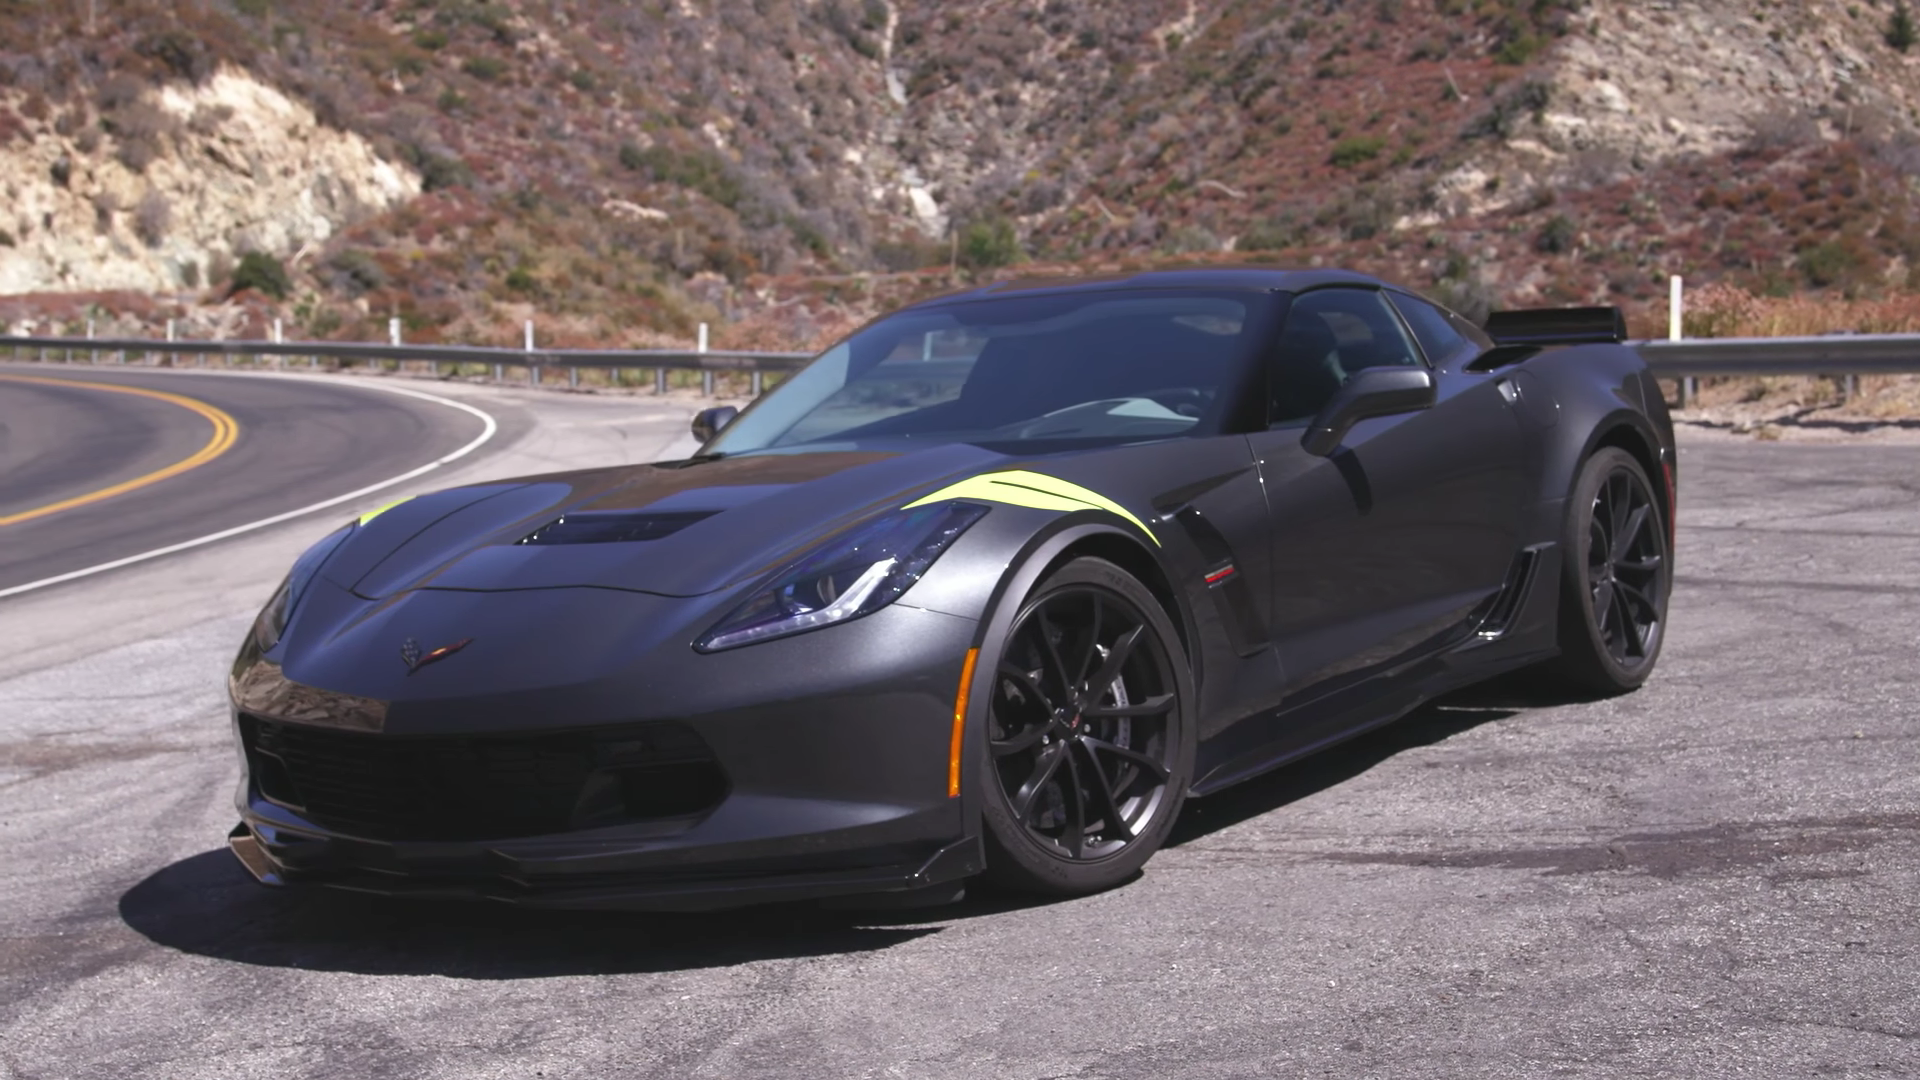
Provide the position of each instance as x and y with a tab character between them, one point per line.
613	526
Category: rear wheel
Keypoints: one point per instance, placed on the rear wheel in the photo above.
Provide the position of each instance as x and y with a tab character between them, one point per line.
1089	746
1615	578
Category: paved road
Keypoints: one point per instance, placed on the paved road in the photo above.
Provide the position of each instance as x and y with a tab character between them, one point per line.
1716	876
251	448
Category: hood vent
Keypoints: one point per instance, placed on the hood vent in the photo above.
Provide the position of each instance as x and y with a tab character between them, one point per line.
613	526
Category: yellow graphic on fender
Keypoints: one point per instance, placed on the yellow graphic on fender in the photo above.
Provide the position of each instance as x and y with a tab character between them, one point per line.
1018	487
371	514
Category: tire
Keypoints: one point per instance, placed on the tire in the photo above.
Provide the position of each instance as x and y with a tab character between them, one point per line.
1082	785
1615	578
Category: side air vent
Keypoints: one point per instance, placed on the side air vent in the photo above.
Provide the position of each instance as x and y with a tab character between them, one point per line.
613	527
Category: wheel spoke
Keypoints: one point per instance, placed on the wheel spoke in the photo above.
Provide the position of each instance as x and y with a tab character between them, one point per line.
1075	835
1159	771
1026	740
1093	647
1153	706
1051	653
1602	606
1639	566
1618	492
1623	542
1633	634
1104	800
1619	620
1026	682
1116	659
1638	598
1043	770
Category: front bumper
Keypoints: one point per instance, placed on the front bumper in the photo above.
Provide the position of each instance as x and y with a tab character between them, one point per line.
528	877
830	751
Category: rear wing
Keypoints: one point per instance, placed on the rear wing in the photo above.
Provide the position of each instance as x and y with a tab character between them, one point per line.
1539	327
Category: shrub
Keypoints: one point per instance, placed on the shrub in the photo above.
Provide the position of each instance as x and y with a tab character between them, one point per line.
1900	28
261	272
1831	263
1557	237
151	218
485	68
1274	234
990	243
356	272
1356	149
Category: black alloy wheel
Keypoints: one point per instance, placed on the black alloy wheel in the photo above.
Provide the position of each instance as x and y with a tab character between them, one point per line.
1088	738
1614	610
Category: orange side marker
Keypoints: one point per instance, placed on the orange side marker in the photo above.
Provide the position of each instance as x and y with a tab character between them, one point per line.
960	722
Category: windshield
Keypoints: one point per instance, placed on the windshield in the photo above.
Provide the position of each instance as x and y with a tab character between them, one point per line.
1112	365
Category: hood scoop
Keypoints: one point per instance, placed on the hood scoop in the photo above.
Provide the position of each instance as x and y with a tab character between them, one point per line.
613	526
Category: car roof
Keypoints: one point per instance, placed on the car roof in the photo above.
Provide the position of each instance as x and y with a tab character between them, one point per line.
1264	278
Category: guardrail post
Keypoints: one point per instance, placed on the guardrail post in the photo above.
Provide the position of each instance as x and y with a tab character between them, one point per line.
756	382
533	373
173	360
1676	299
706	374
659	380
93	355
1849	388
279	336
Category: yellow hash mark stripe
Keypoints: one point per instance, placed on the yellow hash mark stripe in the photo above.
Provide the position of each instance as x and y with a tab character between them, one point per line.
226	431
378	510
1018	487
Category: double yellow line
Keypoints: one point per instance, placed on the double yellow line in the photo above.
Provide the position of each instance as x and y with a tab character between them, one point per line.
226	430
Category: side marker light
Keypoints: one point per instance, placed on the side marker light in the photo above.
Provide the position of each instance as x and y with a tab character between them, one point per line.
960	722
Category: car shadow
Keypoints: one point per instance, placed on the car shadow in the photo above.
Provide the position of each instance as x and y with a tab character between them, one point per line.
207	905
1430	723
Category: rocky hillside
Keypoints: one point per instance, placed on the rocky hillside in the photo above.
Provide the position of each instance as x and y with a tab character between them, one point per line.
620	170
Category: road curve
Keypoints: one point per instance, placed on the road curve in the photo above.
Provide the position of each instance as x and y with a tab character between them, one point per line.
97	466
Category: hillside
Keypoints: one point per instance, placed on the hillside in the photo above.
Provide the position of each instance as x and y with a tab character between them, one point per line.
620	171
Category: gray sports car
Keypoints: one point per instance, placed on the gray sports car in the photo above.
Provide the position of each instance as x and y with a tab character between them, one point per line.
991	587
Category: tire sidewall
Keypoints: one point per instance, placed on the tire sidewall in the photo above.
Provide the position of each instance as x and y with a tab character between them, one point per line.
1014	858
1582	644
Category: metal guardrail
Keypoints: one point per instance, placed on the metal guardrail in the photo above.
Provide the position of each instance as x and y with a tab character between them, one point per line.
1830	354
1686	358
534	360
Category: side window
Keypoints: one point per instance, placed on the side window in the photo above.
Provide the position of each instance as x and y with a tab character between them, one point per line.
1330	334
1431	326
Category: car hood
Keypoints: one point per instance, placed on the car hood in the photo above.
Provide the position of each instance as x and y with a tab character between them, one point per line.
670	529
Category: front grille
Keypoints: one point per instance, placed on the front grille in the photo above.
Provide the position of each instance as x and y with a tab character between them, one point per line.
482	787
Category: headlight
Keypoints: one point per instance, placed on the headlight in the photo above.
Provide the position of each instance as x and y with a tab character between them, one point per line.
854	575
272	621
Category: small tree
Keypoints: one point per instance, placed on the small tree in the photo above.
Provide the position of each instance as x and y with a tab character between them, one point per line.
991	243
1900	30
261	271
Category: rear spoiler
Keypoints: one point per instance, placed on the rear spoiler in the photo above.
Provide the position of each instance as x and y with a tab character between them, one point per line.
1558	326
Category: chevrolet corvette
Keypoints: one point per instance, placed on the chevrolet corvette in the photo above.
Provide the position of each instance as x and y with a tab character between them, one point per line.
986	590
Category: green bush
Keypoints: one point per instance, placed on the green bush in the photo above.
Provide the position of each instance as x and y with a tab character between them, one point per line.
261	272
1356	149
1557	237
484	68
990	243
1900	29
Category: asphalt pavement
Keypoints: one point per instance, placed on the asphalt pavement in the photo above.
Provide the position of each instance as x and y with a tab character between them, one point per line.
1716	876
68	433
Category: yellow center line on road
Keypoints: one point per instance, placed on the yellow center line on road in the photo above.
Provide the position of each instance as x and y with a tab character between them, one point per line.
226	430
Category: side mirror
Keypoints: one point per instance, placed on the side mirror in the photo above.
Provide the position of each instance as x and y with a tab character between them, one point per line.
1369	392
708	422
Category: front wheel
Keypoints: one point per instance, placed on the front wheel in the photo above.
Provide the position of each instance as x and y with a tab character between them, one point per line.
1090	736
1615	578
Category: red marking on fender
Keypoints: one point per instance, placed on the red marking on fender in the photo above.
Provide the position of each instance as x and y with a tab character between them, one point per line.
1219	575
